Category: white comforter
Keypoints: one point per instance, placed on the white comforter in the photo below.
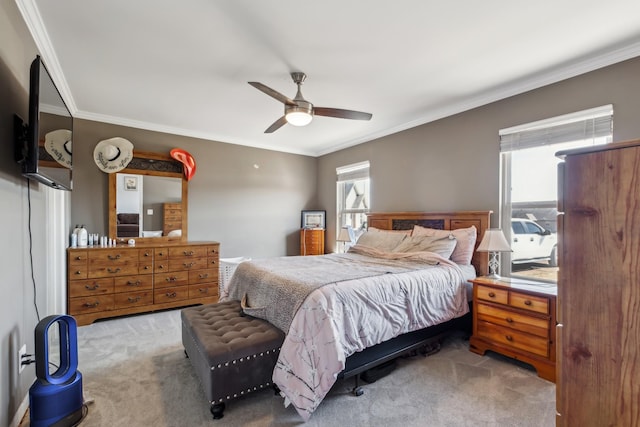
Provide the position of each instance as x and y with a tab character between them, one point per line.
339	319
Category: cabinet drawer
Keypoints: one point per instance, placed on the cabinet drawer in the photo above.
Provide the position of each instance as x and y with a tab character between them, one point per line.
133	283
203	291
203	276
113	270
529	302
173	217
172	225
82	288
521	322
487	293
170	294
145	254
133	299
110	257
187	264
77	258
145	266
188	252
213	251
176	278
160	254
513	338
78	272
90	304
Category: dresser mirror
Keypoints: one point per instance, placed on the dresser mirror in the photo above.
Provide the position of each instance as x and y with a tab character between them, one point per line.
148	200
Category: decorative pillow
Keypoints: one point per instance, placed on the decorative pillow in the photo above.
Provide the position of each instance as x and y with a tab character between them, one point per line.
443	246
465	237
383	240
405	232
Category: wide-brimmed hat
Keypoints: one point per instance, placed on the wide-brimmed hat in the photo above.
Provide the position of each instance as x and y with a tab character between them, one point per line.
113	154
58	144
187	160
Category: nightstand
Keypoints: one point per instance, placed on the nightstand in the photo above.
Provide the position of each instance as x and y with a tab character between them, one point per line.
516	318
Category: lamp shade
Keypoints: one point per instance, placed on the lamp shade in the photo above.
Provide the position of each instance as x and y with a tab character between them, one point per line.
494	241
345	235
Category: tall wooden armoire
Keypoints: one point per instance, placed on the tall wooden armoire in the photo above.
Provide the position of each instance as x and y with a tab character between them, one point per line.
598	372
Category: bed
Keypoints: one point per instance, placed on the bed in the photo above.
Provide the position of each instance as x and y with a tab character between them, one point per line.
346	313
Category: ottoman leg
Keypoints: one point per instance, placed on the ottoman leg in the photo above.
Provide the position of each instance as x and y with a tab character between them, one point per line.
217	410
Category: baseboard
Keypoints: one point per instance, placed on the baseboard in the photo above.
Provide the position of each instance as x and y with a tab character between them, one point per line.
21	412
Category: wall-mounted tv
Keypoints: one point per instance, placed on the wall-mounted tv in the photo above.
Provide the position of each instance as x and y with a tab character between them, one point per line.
44	145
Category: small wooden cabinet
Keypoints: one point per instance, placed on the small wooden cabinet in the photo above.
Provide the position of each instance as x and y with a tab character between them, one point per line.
171	218
516	318
312	241
114	281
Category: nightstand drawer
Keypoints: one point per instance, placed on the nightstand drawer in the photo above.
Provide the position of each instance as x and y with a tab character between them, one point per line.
500	296
521	322
513	338
529	302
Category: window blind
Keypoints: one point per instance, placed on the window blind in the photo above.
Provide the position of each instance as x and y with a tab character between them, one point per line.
353	172
581	125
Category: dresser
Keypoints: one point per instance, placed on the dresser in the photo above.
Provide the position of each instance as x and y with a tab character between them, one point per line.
312	241
599	286
115	281
171	217
516	318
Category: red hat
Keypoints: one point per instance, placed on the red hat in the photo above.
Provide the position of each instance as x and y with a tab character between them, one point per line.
187	160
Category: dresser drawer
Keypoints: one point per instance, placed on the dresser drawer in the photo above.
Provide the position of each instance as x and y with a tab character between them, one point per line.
187	263
521	322
82	288
90	304
170	294
188	252
176	278
203	291
133	299
203	276
213	251
160	254
136	283
78	272
529	302
513	338
113	256
487	293
113	270
77	258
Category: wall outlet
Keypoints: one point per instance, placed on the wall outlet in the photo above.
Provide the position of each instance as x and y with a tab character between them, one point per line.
21	356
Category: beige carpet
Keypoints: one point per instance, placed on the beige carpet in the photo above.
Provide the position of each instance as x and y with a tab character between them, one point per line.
136	374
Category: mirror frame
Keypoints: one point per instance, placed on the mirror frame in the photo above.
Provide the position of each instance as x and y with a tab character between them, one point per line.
146	163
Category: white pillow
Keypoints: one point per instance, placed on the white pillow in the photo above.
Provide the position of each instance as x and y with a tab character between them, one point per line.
175	233
443	246
466	238
382	240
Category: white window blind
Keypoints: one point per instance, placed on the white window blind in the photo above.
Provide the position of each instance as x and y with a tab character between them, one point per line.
353	172
582	125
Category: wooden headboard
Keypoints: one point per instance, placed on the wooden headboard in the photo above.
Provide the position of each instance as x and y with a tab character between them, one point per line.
439	220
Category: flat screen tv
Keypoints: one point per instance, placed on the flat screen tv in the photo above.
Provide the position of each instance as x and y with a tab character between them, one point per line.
44	145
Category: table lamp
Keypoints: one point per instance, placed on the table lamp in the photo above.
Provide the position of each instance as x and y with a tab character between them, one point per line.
493	242
346	235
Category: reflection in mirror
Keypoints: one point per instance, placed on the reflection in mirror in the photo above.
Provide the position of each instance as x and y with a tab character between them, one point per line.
141	202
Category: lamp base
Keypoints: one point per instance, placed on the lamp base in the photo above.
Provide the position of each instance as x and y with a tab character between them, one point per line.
494	276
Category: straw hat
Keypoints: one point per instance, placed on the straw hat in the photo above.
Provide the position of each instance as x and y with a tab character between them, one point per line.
58	144
187	160
113	155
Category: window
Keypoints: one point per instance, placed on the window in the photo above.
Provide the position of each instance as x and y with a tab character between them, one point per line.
352	197
530	183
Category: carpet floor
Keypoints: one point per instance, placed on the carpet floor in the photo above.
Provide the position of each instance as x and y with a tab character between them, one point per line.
135	373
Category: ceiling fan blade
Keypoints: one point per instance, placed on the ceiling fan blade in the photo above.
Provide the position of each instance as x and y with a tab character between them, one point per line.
272	93
276	125
341	114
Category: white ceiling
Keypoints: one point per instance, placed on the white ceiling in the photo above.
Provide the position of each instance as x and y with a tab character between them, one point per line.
182	66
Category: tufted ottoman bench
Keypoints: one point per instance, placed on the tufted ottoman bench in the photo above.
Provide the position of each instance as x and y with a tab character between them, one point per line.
233	354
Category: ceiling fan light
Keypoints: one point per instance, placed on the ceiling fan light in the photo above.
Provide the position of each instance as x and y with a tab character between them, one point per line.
298	118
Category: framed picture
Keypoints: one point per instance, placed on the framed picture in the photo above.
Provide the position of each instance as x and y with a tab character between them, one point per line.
131	183
313	219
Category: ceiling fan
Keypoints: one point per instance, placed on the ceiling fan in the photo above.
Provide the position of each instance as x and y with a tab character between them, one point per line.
299	112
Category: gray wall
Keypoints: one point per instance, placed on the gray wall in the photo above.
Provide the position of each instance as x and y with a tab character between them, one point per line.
454	163
252	212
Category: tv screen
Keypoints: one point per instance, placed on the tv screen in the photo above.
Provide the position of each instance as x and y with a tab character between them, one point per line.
46	147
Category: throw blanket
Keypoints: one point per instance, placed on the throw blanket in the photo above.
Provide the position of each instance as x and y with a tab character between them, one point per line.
273	289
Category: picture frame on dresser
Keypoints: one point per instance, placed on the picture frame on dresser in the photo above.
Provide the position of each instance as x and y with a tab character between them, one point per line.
313	219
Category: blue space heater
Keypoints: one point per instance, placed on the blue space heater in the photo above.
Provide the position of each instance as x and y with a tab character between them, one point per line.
55	398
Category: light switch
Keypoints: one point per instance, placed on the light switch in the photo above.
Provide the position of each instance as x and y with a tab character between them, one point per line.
149	211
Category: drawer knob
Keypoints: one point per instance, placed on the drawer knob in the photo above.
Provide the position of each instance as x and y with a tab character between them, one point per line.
509	337
527	302
509	320
78	258
92	288
492	295
147	254
78	272
146	267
